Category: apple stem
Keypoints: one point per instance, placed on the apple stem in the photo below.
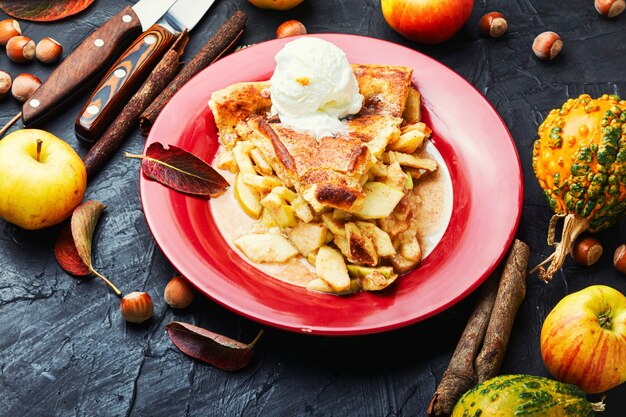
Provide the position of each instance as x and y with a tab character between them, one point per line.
8	125
39	144
605	320
109	283
256	339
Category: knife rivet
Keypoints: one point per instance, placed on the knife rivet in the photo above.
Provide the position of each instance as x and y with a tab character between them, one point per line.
150	39
126	18
98	43
93	110
34	103
119	73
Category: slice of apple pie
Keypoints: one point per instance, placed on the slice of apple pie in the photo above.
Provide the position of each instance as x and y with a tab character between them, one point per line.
348	194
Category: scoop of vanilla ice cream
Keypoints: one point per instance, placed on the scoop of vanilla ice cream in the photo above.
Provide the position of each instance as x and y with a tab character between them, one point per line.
313	87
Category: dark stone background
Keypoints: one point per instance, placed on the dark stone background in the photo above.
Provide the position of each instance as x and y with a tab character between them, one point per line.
66	351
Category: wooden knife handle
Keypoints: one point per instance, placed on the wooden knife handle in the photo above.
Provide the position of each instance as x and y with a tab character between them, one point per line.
120	83
90	59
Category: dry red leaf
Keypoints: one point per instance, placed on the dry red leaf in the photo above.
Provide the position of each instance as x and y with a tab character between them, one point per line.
43	10
181	170
73	246
220	351
67	255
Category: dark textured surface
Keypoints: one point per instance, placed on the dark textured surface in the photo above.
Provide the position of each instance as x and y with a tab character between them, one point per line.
65	350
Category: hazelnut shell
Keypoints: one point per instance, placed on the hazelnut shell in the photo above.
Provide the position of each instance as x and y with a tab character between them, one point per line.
290	28
586	251
24	86
137	307
48	50
20	49
9	28
619	259
179	293
547	45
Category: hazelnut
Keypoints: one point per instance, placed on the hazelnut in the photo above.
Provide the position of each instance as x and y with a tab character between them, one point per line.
48	50
5	83
20	49
24	86
136	307
586	251
179	293
547	45
9	28
290	28
610	8
493	24
619	260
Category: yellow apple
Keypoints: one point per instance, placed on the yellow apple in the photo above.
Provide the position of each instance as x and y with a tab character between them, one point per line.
583	339
42	179
276	4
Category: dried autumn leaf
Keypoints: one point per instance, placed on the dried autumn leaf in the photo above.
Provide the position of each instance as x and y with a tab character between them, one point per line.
83	224
43	10
220	351
181	170
67	255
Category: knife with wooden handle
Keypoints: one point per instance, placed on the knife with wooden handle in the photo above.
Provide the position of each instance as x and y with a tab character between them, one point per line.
132	68
119	83
92	57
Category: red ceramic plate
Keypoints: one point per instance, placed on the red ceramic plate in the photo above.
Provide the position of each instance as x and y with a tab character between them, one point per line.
487	199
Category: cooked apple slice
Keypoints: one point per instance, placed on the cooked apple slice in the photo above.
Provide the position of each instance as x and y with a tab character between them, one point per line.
248	199
285	193
341	215
413	107
225	160
421	126
408	142
282	213
411	250
379	169
395	176
381	239
331	268
409	181
308	237
342	243
401	264
320	285
335	226
413	161
302	209
241	152
266	247
260	183
262	166
380	200
266	219
362	249
372	279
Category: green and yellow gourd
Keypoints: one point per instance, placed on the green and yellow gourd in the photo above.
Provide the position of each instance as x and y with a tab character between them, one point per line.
524	396
580	162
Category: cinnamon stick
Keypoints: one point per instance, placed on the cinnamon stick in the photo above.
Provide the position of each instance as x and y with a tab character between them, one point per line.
460	375
510	296
481	349
220	44
116	133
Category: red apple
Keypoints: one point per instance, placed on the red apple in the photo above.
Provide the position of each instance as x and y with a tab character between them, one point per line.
427	21
583	339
